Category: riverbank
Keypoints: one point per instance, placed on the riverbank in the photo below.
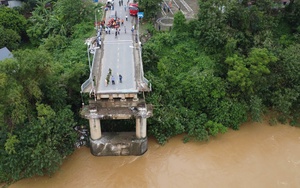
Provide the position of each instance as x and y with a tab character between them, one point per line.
258	155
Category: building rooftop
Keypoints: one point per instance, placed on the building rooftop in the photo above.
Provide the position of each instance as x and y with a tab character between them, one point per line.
5	53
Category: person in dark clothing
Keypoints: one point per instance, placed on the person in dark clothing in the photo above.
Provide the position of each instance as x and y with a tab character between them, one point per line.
120	78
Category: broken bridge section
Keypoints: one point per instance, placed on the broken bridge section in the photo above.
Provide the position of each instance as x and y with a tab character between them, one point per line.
119	54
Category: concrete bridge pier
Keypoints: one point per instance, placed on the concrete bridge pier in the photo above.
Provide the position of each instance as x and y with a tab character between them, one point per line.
141	127
117	143
95	128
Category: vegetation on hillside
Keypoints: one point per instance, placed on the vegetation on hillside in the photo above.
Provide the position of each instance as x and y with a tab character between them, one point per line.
234	63
40	96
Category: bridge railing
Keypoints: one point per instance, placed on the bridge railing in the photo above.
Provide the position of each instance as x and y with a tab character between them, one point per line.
89	82
142	77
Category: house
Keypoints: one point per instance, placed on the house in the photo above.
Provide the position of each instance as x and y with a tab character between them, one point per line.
5	53
4	2
11	4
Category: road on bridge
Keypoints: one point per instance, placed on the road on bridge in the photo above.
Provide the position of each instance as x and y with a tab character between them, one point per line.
118	55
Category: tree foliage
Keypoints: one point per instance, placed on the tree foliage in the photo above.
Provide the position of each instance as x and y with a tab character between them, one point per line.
12	28
59	19
9	38
38	131
185	89
247	72
292	15
149	7
235	62
11	19
38	88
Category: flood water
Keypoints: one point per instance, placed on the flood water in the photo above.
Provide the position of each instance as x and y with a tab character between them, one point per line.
258	155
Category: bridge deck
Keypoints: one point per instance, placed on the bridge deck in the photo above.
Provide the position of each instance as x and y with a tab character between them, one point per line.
121	54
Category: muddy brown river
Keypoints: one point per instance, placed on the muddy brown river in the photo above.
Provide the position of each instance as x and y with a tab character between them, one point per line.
258	155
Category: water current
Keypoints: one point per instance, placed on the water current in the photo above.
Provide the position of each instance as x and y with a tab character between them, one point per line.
258	155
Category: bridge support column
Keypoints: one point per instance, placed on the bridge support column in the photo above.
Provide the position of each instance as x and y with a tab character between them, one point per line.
95	127
141	128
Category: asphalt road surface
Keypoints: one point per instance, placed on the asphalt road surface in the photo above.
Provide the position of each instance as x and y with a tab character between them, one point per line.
118	56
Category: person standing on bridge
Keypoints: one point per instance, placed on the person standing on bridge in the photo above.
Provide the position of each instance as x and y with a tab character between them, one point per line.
113	80
99	42
126	17
106	82
120	78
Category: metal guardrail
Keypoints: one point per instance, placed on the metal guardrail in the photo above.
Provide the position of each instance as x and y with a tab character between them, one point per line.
90	80
142	78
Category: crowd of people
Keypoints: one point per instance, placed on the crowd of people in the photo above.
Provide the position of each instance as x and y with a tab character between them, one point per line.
113	26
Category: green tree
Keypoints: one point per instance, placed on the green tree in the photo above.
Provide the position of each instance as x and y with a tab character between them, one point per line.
284	90
38	22
179	24
9	38
41	146
36	116
11	19
59	20
210	29
69	13
37	92
12	27
185	89
246	73
230	113
292	15
149	7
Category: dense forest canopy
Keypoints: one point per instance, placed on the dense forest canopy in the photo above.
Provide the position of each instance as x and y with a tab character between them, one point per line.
40	96
236	62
